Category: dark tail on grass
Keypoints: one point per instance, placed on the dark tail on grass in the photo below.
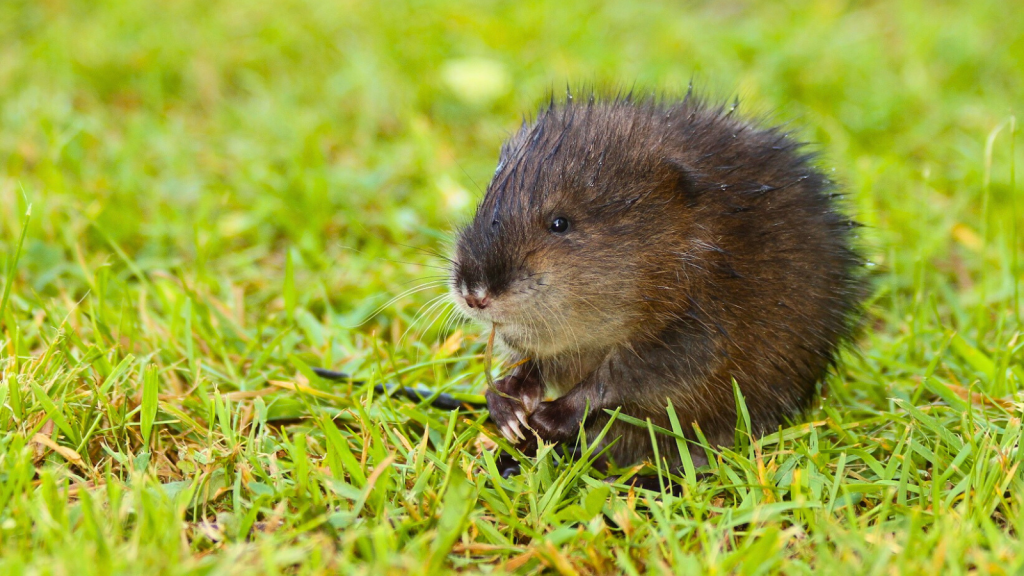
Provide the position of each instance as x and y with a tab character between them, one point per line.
442	401
506	463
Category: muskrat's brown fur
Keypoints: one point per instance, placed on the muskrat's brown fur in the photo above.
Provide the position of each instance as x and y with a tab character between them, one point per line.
695	247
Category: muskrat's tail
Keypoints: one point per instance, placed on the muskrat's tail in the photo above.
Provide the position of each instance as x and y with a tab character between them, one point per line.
437	400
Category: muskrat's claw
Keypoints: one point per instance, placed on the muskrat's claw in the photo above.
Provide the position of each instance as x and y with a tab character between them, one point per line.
522	416
531	397
506	411
512	432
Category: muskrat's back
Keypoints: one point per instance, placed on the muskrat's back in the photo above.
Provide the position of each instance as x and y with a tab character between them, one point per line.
640	252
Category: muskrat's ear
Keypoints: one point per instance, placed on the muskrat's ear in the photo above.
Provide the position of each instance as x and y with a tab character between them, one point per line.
683	179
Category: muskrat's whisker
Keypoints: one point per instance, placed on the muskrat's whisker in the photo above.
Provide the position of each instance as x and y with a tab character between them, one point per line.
430	306
445	320
439	280
587	301
453	317
421	312
362	253
560	316
547	325
428	252
382	307
435	266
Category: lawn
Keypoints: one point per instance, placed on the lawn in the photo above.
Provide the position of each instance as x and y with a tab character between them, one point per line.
201	200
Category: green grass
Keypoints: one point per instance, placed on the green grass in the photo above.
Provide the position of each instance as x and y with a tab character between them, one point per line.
213	198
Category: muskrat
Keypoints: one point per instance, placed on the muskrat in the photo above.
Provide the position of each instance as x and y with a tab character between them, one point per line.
634	251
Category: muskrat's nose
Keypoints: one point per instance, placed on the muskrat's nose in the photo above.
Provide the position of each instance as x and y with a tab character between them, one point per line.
477	301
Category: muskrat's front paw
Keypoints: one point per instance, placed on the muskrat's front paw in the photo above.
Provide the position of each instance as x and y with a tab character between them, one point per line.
555	421
511	400
508	414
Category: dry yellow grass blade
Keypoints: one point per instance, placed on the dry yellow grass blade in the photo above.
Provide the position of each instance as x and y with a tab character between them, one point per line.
68	454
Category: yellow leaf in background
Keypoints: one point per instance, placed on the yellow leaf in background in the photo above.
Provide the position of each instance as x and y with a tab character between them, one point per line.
451	344
969	238
476	80
455	196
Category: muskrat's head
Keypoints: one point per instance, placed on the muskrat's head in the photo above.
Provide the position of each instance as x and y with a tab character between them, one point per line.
573	244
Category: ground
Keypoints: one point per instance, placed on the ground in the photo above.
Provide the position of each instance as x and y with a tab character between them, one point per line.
200	200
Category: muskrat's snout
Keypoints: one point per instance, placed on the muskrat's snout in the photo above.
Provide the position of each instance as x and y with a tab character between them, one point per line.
492	289
470	288
484	273
477	300
475	296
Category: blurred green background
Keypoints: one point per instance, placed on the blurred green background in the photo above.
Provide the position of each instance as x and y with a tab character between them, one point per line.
223	192
209	137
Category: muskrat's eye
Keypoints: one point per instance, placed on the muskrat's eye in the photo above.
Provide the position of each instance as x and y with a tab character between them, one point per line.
560	225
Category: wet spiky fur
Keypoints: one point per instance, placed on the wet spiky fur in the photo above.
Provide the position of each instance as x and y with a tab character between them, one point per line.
703	248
